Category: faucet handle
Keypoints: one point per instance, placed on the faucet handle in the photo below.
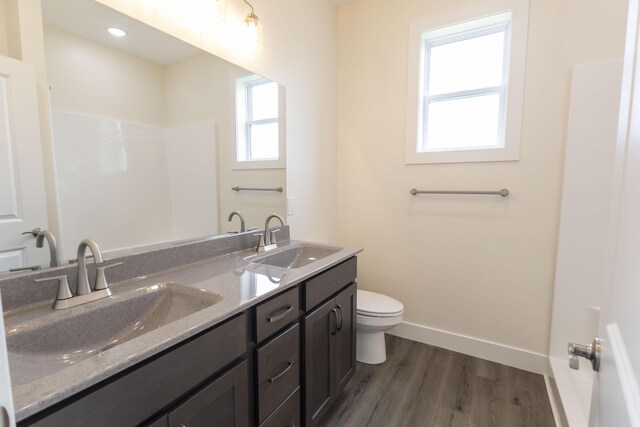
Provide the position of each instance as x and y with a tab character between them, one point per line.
260	247
63	286
272	235
33	232
101	278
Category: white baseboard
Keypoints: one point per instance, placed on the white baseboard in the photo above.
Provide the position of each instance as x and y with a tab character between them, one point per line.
488	350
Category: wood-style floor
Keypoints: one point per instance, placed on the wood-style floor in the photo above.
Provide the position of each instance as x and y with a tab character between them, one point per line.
421	385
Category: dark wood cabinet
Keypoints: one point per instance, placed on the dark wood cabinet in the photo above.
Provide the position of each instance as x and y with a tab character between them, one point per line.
287	414
222	403
276	313
329	346
345	338
318	371
133	396
278	375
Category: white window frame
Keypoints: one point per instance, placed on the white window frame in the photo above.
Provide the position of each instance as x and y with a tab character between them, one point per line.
249	118
458	25
244	121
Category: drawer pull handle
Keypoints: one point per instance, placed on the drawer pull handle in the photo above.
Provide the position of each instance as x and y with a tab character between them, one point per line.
284	371
339	328
275	317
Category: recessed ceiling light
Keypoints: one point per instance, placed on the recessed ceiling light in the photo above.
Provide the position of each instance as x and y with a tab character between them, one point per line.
118	32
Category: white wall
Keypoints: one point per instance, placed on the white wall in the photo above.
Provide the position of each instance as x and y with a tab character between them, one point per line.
110	108
480	267
95	79
192	179
98	159
299	46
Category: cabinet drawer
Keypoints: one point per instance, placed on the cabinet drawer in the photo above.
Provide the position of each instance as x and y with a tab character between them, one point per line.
273	315
328	283
134	396
278	364
287	414
222	403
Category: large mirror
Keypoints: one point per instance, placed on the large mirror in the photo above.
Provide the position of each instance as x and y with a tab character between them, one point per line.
152	135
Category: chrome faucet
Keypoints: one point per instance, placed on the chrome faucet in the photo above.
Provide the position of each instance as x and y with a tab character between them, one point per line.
268	239
83	277
64	297
53	247
242	226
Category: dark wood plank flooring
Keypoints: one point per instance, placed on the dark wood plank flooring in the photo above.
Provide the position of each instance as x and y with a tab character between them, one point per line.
422	385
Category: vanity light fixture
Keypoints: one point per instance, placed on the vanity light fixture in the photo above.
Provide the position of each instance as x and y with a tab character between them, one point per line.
252	19
117	32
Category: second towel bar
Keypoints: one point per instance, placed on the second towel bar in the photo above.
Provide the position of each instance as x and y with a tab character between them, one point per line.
503	192
279	189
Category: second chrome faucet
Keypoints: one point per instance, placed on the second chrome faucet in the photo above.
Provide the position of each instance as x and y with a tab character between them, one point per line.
267	239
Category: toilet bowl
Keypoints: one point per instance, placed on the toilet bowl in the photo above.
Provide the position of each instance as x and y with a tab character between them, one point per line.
376	313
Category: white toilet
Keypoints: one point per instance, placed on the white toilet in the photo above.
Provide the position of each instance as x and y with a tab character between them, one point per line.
376	313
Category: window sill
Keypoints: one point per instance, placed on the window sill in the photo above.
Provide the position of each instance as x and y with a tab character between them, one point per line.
463	156
258	164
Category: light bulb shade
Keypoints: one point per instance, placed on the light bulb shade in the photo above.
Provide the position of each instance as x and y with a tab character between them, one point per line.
251	20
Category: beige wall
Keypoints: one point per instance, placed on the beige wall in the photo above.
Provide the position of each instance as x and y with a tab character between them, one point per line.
477	266
202	88
300	53
4	49
90	78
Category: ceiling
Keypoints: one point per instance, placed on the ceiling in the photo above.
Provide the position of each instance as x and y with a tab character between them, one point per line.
90	20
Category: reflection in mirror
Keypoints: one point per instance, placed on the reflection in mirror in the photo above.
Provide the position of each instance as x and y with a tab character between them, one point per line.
144	130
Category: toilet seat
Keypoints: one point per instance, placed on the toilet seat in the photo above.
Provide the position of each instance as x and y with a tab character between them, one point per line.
371	304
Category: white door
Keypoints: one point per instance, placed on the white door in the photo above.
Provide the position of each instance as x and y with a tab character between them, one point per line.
22	194
616	397
7	416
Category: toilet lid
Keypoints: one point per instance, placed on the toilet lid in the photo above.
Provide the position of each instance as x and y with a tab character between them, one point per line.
377	304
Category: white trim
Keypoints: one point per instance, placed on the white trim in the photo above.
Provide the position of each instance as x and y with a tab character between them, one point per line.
574	388
483	349
626	374
516	51
238	82
556	406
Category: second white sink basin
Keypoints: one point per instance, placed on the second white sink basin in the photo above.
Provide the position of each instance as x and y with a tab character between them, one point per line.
297	256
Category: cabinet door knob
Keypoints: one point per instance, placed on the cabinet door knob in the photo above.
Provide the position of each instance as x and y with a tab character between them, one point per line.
339	327
335	327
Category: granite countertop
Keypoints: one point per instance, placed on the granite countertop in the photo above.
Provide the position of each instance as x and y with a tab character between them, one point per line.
233	279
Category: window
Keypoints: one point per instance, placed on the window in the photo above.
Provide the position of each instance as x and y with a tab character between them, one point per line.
258	118
466	103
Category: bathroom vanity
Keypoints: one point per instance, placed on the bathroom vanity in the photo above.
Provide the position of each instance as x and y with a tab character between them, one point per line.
237	339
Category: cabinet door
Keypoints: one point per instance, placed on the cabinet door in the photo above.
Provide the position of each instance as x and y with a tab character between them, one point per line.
319	385
222	403
344	351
